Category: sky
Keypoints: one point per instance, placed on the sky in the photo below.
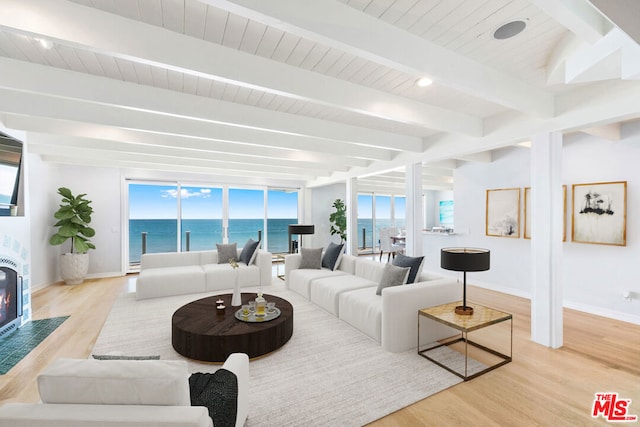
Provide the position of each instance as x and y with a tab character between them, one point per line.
147	201
382	206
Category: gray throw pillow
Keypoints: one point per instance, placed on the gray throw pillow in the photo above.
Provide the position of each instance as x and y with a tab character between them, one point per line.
331	255
311	258
392	276
227	252
406	261
248	250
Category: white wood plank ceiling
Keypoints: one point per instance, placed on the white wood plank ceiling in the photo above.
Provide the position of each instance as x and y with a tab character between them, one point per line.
305	92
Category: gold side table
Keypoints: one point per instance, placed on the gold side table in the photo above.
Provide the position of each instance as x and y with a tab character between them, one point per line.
278	259
482	317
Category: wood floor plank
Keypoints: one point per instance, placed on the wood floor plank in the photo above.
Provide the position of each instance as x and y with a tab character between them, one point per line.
541	387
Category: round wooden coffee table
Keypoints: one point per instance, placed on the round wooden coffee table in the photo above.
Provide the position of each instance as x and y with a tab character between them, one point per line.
199	332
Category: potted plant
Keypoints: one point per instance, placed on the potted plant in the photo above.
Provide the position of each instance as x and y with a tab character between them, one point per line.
338	220
74	216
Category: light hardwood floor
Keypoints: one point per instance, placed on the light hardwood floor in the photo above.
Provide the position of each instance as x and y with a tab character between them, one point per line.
541	386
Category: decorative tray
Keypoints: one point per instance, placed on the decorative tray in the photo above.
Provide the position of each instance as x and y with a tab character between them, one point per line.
252	318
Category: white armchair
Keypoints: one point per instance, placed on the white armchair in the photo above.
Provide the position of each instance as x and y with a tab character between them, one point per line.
140	393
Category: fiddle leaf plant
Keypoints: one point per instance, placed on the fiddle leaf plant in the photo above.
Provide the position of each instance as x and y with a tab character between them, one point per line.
338	220
74	216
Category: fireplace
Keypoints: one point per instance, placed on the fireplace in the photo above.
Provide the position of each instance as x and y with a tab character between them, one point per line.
10	299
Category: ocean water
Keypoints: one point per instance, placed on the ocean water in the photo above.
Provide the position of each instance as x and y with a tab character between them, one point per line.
162	234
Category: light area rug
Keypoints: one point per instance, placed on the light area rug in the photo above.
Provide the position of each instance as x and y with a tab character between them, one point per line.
328	374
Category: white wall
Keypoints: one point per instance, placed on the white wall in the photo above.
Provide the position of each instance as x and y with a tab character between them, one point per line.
594	276
432	212
322	199
103	188
510	258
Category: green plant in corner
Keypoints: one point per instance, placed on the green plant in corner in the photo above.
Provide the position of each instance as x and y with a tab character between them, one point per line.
73	218
338	220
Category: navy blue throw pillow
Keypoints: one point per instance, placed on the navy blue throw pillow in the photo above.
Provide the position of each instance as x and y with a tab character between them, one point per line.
248	250
407	261
331	255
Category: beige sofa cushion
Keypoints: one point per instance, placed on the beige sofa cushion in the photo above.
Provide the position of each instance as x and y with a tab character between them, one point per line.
169	259
300	280
75	415
162	282
116	382
326	292
362	309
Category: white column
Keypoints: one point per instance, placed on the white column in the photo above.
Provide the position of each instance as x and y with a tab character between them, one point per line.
352	216
413	220
225	214
547	210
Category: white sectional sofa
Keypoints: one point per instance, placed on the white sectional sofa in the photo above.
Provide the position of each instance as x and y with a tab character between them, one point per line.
176	273
136	393
349	292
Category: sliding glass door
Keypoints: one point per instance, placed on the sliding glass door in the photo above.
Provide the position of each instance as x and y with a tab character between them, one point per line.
170	217
153	219
376	212
246	215
365	222
282	210
201	217
399	211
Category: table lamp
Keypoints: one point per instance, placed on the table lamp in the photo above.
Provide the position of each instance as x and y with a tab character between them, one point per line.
299	229
464	259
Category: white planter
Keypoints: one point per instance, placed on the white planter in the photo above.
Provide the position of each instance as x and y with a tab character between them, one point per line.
74	267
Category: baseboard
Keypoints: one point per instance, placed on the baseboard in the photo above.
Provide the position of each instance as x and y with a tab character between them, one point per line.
502	289
585	308
106	275
598	311
485	285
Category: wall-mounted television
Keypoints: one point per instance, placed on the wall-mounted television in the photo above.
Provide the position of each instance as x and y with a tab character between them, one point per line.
10	165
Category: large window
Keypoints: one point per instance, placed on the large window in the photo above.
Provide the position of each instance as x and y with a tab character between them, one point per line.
365	221
376	212
153	218
399	211
246	215
170	217
201	217
282	210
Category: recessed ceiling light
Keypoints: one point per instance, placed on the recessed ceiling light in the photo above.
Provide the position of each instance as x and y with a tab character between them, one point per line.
424	82
508	30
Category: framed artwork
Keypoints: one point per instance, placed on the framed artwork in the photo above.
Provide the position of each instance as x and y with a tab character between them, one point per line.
527	213
446	212
599	213
503	213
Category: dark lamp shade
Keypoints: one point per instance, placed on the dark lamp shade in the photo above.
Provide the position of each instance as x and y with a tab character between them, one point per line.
301	229
464	259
